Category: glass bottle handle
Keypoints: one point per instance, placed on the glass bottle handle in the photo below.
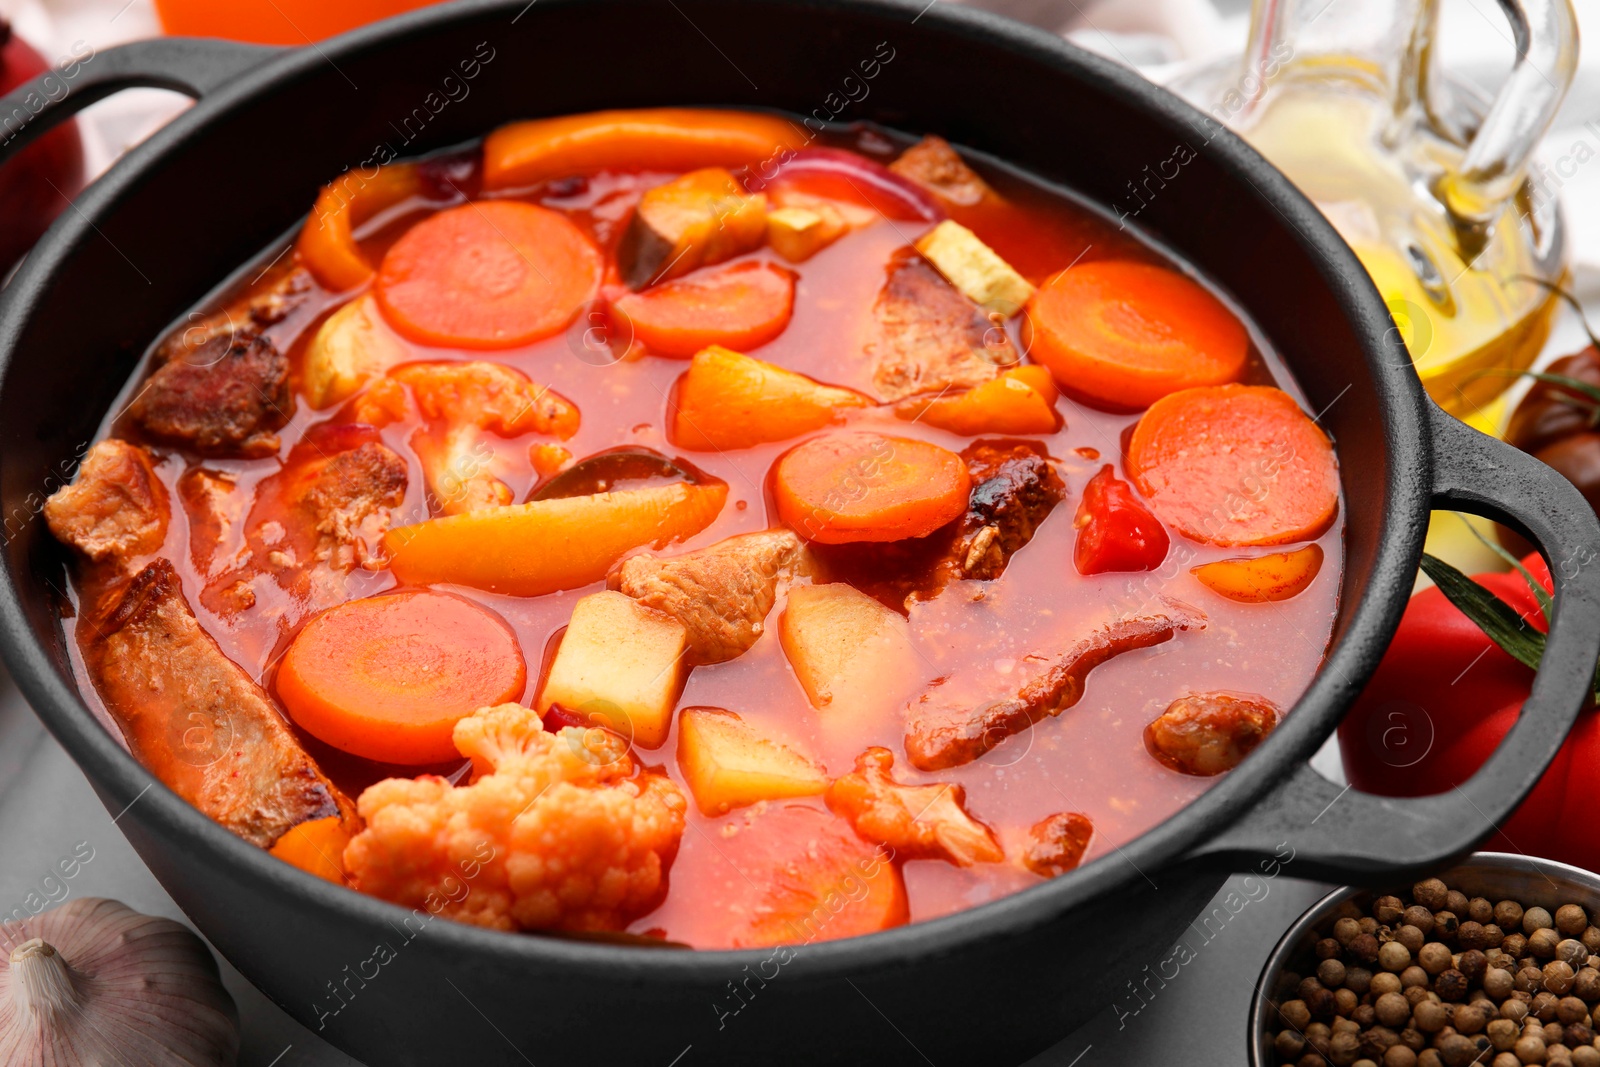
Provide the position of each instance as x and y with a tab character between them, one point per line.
1546	34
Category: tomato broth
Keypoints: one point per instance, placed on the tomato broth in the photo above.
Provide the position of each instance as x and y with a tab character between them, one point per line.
1092	758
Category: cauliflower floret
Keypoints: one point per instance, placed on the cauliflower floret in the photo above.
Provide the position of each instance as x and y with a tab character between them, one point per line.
555	832
463	402
917	821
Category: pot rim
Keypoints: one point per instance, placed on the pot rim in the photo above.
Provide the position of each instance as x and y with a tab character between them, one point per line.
1370	618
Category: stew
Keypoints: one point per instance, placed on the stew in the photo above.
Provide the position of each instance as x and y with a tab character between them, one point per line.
668	524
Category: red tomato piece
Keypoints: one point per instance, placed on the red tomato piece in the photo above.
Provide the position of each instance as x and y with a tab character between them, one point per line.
1116	532
1440	703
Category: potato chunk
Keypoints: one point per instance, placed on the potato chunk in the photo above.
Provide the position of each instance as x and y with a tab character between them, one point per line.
621	665
351	347
729	764
702	218
975	269
798	233
847	649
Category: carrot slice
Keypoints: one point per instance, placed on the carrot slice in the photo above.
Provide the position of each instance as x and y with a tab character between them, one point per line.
387	677
327	243
316	847
794	875
1126	334
544	545
740	306
1235	465
488	275
729	400
1020	400
663	138
857	486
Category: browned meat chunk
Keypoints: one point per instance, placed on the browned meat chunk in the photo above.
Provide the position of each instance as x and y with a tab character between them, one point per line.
225	398
928	337
196	720
721	594
1056	843
1208	733
115	510
935	166
1014	487
350	498
945	732
917	821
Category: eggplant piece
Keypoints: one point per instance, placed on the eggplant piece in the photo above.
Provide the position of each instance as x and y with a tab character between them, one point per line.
702	218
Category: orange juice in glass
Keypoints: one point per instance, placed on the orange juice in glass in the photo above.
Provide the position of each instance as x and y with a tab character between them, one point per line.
275	21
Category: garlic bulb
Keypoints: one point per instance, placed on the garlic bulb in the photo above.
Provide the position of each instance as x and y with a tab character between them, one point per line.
97	984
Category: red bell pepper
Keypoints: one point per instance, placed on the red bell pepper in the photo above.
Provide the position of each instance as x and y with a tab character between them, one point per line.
1116	532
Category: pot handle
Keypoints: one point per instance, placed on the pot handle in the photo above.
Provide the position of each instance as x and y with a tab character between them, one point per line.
1341	835
193	66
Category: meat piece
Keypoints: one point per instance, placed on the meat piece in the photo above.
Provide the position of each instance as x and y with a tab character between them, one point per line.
196	720
935	166
722	594
115	510
927	337
949	732
1056	843
350	499
225	398
1208	733
917	821
1014	487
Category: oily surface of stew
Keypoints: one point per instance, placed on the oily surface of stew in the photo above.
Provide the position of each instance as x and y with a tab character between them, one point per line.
660	522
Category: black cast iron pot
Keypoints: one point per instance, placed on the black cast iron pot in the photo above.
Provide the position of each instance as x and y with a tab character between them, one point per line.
991	985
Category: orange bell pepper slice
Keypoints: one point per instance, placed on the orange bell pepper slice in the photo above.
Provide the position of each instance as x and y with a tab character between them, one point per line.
327	243
545	545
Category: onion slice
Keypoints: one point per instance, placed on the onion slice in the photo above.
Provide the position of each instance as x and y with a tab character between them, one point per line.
839	174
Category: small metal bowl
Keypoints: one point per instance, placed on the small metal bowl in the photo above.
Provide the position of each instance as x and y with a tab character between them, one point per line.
1495	875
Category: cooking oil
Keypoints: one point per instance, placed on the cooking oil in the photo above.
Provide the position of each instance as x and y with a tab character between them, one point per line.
1471	318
